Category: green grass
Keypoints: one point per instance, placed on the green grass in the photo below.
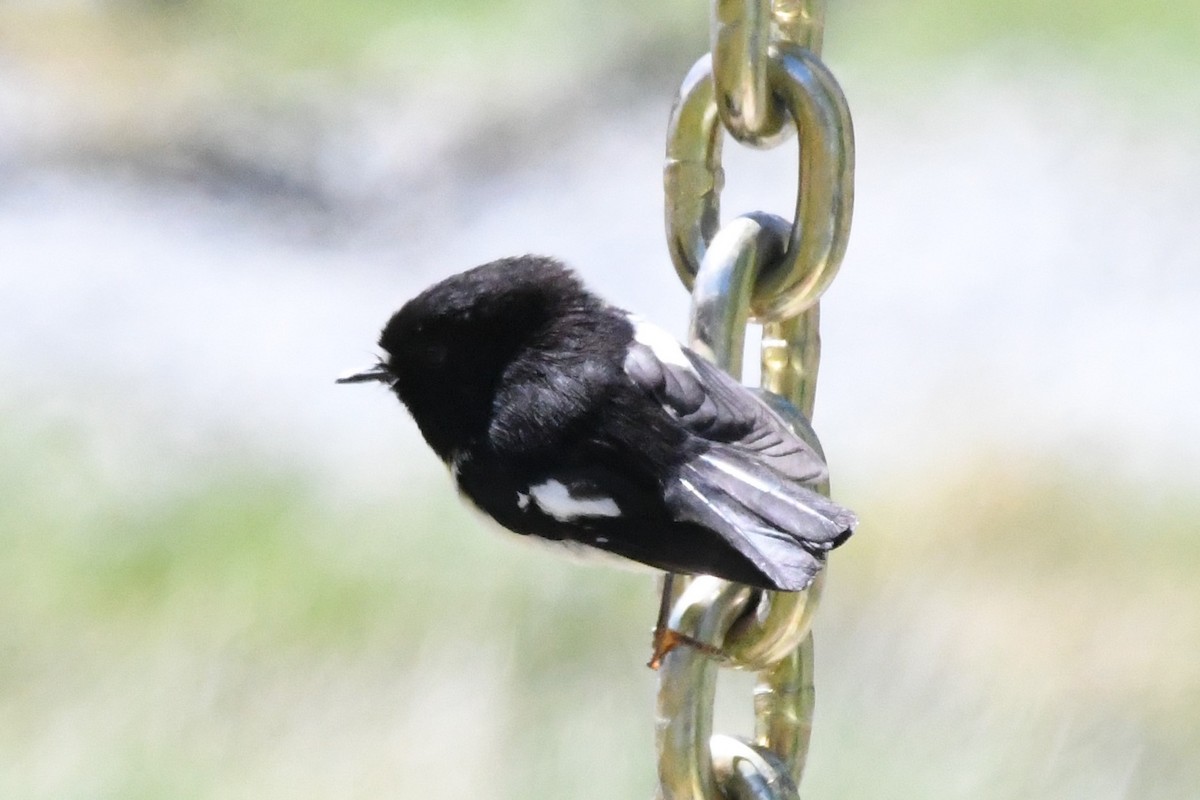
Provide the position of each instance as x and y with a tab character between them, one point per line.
201	44
1105	31
265	46
1018	630
206	639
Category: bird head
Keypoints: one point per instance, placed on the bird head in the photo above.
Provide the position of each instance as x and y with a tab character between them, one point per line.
447	347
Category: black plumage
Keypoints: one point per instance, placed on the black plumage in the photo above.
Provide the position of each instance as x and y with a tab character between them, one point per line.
567	419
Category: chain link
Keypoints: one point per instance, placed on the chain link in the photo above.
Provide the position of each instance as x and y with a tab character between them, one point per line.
740	37
825	193
742	31
762	81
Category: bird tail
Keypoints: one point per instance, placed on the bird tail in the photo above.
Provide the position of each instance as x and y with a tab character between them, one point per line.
783	528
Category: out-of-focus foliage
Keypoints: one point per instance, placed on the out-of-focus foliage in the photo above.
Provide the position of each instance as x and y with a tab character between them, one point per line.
274	35
1009	634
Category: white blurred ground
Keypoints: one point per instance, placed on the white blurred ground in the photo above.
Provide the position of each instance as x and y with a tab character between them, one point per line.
1022	276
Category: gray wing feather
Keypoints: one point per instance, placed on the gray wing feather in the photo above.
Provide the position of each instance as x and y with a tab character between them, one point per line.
713	406
814	520
751	481
784	561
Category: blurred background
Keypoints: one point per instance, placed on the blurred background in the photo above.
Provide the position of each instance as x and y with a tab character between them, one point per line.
223	576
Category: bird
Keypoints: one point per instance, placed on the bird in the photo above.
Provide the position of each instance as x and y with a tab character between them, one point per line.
571	421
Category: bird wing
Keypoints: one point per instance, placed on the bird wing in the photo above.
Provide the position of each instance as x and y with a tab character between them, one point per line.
711	405
783	527
749	479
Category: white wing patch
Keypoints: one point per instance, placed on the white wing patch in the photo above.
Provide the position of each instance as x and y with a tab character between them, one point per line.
554	498
661	343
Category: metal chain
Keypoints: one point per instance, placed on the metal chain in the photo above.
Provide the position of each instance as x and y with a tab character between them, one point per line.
762	82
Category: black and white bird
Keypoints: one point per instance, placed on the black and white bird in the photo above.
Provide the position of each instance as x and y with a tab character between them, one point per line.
567	419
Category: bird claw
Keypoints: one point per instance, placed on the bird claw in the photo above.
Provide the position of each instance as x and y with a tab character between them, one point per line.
666	640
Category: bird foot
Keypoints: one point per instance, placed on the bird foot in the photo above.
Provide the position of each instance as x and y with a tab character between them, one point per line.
666	640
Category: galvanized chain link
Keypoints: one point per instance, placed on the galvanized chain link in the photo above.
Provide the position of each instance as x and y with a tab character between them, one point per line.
761	82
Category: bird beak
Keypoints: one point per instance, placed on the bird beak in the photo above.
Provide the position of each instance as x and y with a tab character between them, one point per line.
378	372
